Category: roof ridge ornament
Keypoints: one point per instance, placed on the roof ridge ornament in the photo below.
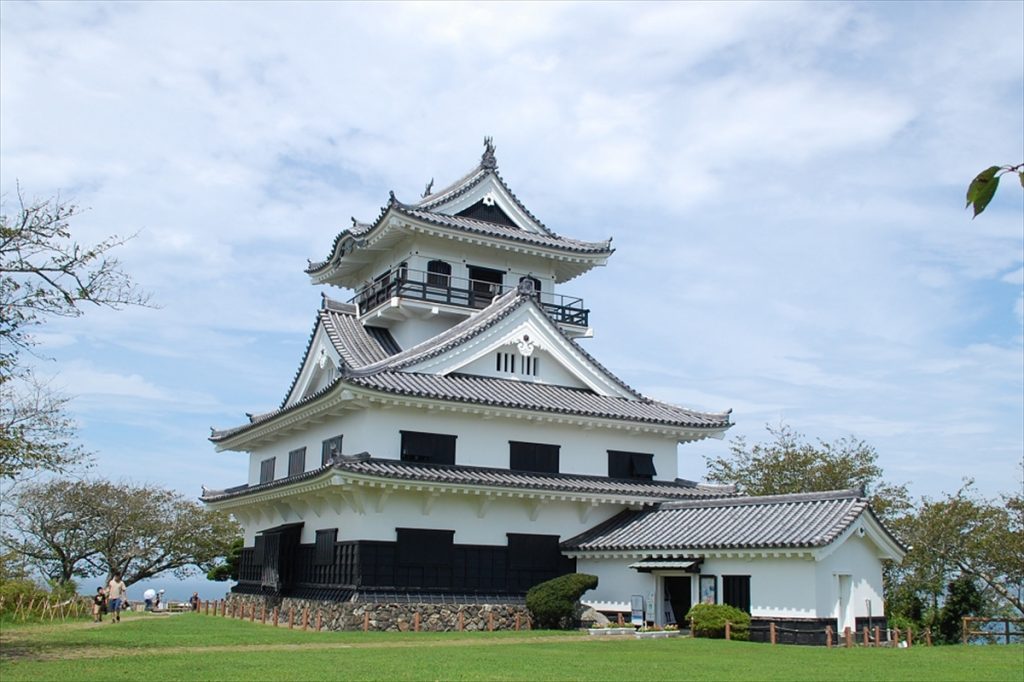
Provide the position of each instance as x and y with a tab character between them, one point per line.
487	160
428	188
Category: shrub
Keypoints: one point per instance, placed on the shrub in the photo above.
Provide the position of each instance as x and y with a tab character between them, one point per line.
553	603
709	621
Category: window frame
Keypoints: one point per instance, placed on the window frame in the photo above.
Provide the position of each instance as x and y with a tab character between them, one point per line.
442	449
268	469
297	461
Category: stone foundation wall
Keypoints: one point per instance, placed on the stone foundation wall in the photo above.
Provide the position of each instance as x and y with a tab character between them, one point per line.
389	617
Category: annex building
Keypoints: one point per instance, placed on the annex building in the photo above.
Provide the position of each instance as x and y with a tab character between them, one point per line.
447	440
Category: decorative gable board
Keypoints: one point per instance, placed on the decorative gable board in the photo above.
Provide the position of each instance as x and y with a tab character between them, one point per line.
522	333
490	195
319	368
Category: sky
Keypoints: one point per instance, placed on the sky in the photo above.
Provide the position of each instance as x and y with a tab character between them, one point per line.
784	184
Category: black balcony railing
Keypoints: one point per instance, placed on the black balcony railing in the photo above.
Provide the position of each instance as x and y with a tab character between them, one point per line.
469	293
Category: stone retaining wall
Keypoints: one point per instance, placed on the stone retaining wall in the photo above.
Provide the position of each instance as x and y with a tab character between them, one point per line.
389	617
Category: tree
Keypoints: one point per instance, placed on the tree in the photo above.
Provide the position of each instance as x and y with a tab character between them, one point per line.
963	534
228	569
44	274
790	464
983	186
962	599
90	528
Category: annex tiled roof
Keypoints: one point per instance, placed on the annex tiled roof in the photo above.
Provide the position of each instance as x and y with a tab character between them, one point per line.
805	520
487	477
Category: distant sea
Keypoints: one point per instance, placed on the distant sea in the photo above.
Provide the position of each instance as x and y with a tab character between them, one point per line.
174	589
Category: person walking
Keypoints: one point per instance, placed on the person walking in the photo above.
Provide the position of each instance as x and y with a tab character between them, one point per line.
116	593
99	604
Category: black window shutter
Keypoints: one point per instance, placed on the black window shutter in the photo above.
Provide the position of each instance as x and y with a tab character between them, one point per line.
643	465
325	541
537	457
296	461
420	547
430	448
329	449
619	464
533	552
736	591
267	470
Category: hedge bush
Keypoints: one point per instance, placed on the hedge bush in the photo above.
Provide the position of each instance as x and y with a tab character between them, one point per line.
553	603
709	621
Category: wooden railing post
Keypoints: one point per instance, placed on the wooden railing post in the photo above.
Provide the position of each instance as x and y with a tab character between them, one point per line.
620	621
728	631
896	637
416	622
928	636
517	622
963	631
848	636
291	617
366	621
277	615
490	621
828	636
305	618
263	613
461	620
867	638
771	631
910	637
319	620
693	630
878	635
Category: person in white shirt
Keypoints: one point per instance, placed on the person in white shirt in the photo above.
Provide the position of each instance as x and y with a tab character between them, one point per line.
117	591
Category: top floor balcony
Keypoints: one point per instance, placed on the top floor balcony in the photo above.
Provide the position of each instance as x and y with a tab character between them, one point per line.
460	294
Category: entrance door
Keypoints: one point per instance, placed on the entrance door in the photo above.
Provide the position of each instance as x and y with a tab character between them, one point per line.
677	598
844	616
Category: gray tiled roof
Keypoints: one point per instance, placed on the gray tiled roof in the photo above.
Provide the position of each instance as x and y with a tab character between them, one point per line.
777	521
488	477
386	375
537	397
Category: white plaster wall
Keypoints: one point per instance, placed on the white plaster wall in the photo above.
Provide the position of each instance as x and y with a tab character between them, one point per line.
472	522
551	371
480	442
616	583
781	587
857	558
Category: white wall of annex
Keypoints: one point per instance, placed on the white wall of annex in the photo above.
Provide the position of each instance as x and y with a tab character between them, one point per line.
616	583
782	587
856	557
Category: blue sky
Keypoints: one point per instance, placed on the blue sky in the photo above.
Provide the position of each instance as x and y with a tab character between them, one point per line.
783	182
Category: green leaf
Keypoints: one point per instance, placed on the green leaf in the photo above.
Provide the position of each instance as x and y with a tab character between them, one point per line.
982	189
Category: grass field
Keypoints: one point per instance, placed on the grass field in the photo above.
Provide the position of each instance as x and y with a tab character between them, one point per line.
195	647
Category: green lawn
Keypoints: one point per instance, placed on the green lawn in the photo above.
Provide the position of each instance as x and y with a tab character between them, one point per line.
191	647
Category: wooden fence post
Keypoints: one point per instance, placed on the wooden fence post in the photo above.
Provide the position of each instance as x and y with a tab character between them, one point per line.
828	636
462	622
963	630
277	615
896	638
319	619
878	635
517	622
490	621
620	621
291	617
263	613
206	607
910	637
305	618
927	636
771	631
693	630
848	636
366	621
416	622
728	631
867	637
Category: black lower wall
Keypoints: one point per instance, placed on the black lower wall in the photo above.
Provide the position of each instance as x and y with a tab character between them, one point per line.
374	565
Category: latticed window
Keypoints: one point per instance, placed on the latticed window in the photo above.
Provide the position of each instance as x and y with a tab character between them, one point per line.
267	470
438	273
296	461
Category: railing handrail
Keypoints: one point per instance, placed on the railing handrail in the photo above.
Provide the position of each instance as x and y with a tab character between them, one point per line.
403	275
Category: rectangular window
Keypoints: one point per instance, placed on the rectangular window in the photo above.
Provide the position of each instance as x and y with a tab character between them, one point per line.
296	461
533	552
736	591
637	465
267	470
324	552
419	547
428	448
538	457
330	449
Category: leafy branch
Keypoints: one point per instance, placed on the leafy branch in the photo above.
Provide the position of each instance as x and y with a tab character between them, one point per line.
983	186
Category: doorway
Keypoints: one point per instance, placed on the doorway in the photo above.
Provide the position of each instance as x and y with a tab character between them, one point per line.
678	598
484	285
